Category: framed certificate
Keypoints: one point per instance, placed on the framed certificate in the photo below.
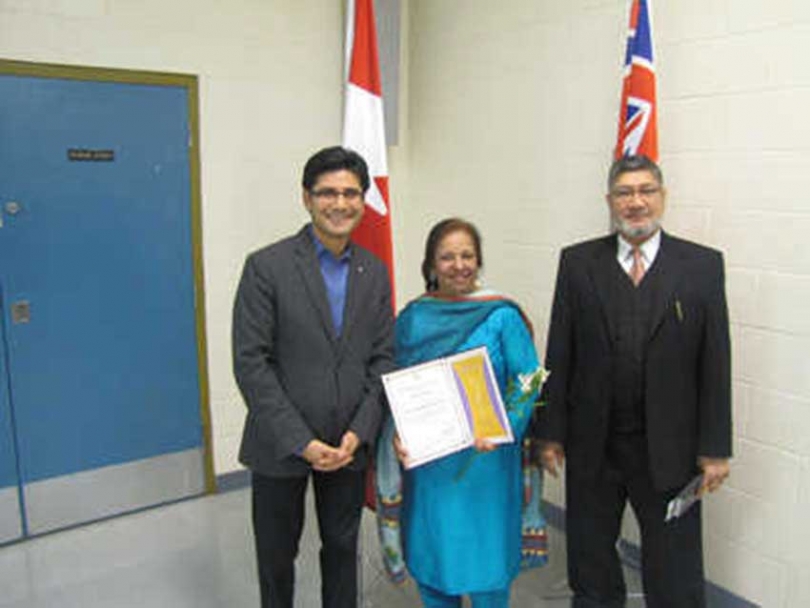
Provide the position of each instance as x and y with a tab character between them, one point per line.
442	406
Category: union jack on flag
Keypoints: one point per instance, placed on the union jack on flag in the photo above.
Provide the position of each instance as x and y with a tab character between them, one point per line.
638	129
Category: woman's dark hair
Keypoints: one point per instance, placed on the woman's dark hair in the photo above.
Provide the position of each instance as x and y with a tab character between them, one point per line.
332	159
436	235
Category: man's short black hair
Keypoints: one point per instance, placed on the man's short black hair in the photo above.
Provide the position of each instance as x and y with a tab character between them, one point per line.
335	158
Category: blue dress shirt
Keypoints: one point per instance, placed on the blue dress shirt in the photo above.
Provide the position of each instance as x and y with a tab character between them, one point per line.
335	272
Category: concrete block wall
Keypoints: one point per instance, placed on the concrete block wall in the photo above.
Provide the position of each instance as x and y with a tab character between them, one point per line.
734	89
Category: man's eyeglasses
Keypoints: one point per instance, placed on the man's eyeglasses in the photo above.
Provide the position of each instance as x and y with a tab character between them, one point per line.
330	195
625	195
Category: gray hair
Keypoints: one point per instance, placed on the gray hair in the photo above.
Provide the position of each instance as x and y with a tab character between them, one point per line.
632	163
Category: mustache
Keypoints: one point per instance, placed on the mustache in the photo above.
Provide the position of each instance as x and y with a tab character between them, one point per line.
636	214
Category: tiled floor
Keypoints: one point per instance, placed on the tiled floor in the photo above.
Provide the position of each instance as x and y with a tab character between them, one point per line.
199	553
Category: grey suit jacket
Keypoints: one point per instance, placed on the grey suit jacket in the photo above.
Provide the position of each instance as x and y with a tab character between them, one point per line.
299	381
687	377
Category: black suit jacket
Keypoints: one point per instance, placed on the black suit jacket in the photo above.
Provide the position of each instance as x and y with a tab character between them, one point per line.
299	381
687	368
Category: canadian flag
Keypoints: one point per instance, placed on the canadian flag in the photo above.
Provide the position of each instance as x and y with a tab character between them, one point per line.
364	127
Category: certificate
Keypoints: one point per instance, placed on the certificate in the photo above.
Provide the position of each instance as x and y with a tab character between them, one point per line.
442	406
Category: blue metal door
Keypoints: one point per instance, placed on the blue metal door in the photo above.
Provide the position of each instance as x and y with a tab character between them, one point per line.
96	271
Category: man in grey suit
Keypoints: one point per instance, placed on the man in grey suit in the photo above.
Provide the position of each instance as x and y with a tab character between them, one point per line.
639	397
312	332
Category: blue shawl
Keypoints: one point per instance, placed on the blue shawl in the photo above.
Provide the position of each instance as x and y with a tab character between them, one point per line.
431	327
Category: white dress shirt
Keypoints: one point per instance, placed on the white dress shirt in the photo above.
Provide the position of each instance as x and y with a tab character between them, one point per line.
649	249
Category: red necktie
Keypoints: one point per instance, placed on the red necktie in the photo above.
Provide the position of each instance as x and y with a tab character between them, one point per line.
637	269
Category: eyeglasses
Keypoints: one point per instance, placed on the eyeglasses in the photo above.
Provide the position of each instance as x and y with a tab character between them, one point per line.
330	195
625	195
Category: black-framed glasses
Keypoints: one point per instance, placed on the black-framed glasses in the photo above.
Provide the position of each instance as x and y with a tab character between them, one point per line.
626	194
331	195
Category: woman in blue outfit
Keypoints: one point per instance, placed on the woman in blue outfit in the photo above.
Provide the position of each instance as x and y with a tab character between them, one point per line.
464	525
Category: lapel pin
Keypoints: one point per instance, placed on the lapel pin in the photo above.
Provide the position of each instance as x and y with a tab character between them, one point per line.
679	311
359	269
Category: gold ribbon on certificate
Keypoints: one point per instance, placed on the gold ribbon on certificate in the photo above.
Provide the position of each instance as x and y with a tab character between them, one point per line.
471	373
441	406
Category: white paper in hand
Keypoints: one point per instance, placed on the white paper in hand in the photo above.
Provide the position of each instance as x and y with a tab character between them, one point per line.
685	499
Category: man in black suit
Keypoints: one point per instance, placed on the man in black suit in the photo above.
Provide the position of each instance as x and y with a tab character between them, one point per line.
639	398
312	332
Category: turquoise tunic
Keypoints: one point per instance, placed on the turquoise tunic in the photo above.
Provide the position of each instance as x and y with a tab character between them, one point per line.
461	515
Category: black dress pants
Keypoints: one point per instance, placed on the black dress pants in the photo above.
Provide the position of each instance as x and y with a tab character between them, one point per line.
278	519
671	552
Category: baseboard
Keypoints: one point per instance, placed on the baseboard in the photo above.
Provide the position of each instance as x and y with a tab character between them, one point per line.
716	596
234	480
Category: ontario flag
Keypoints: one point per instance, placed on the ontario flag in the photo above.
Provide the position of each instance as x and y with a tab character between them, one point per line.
638	113
364	127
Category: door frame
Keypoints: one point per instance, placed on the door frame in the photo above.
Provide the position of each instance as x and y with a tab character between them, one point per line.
190	83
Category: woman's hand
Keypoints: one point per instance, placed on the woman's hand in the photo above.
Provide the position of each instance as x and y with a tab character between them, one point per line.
401	452
484	445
